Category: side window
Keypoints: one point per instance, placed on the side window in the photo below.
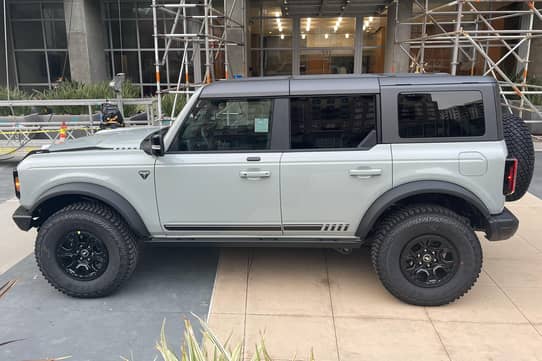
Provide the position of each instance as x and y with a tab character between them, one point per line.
332	121
441	114
226	124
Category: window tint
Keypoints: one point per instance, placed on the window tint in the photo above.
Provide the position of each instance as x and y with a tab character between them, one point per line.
221	124
441	114
332	121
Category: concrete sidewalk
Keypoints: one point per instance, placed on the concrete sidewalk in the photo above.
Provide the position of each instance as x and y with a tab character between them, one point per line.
334	304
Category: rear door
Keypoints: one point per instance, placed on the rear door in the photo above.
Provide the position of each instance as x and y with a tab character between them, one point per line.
335	168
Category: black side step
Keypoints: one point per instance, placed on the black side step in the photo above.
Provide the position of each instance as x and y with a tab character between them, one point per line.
260	242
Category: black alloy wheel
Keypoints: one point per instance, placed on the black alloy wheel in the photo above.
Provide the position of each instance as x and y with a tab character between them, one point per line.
429	261
82	255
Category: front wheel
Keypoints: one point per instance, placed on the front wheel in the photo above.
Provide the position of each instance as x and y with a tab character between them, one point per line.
426	255
86	250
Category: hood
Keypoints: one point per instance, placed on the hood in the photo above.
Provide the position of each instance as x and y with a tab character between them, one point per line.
122	138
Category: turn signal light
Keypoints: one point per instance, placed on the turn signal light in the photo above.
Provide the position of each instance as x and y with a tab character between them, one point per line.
510	175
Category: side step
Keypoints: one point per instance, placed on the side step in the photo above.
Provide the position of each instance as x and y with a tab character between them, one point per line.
260	242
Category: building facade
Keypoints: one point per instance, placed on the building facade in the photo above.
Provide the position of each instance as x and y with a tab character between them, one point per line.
90	40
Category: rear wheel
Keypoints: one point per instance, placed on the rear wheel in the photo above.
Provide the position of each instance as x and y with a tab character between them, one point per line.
86	250
426	255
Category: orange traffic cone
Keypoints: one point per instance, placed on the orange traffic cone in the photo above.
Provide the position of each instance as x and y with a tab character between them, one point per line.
62	133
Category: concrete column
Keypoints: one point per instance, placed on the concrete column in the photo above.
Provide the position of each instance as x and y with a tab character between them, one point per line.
358	46
237	55
85	31
396	61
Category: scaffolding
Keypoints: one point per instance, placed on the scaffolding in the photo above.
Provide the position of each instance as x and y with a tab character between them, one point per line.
199	25
471	32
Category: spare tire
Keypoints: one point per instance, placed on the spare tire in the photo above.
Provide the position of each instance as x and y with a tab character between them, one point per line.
520	146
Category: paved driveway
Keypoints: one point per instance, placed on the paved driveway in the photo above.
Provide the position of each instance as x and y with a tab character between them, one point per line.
169	284
334	304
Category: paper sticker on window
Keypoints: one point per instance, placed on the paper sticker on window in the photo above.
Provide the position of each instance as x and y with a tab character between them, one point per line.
261	125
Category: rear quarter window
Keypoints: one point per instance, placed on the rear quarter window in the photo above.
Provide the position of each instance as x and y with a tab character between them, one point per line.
441	114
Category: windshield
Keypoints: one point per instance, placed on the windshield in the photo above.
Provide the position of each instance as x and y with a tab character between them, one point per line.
168	138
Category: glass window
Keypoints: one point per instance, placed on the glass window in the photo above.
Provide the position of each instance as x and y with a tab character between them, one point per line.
55	34
59	65
53	11
28	35
25	11
226	124
277	62
441	114
127	62
31	67
40	46
327	32
332	121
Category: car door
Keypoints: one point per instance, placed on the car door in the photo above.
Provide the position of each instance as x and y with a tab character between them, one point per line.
334	169
219	176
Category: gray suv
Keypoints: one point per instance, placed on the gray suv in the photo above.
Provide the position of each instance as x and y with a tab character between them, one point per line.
411	165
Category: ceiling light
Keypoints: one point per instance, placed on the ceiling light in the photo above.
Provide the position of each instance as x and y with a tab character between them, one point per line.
364	27
335	28
282	36
303	36
326	35
308	26
277	14
347	35
370	18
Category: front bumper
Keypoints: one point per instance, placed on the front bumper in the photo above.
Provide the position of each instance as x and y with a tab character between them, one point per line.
501	226
22	218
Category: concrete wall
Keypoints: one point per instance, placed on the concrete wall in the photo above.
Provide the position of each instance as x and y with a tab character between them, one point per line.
85	31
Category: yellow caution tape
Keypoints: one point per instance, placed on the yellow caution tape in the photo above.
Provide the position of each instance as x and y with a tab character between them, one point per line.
4	150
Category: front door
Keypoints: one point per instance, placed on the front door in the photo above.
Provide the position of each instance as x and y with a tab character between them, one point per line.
219	176
335	169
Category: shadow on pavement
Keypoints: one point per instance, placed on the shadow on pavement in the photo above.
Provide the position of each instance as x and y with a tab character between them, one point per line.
169	283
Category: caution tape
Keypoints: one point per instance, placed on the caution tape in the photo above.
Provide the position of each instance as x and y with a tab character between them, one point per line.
23	131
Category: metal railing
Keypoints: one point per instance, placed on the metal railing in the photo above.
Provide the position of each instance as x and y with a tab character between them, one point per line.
18	131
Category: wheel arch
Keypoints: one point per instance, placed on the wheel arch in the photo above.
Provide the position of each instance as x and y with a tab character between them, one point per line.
60	196
454	196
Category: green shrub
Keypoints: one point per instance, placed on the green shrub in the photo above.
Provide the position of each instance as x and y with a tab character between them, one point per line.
209	349
14	94
101	90
167	104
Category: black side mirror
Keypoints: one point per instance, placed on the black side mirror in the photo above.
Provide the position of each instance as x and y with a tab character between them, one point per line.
157	145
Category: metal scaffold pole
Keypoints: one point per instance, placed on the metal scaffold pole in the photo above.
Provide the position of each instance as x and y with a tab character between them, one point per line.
473	33
156	59
201	24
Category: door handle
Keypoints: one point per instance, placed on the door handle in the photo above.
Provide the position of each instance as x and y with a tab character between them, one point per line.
365	172
254	174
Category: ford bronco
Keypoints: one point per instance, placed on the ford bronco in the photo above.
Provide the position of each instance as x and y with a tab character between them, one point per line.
411	165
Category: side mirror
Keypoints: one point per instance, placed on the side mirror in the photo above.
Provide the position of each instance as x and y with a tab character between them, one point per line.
157	145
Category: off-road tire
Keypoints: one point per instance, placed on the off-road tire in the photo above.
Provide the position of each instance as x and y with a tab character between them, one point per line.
520	146
403	225
99	219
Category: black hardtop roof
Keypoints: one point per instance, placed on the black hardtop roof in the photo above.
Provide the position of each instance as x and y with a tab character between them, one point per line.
328	84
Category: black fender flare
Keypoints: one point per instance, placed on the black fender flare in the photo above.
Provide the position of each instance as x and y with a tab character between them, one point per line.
403	191
102	194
